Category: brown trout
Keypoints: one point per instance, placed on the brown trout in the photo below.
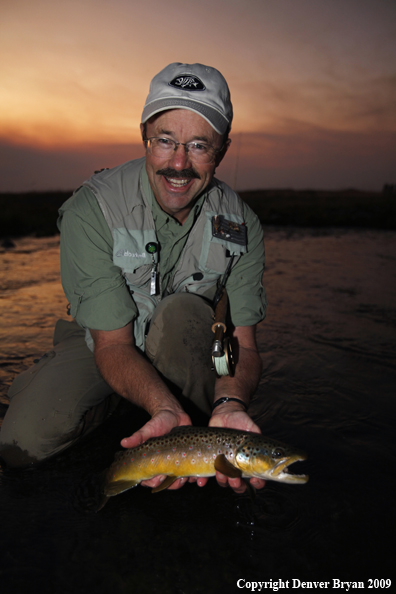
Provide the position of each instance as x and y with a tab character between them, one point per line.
199	452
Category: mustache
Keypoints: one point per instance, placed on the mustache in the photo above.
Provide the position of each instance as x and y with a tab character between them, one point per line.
183	174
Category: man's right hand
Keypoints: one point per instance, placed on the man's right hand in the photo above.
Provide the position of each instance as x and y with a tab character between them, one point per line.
160	423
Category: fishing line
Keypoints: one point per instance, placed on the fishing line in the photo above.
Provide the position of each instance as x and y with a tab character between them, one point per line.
221	365
224	365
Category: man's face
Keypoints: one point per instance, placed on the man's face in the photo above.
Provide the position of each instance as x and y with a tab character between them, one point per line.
177	180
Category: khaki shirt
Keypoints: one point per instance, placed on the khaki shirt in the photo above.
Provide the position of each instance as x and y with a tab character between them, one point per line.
87	263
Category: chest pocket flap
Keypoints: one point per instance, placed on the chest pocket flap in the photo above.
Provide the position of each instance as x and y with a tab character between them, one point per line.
215	250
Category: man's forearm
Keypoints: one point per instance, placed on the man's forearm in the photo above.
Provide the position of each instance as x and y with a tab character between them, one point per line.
246	379
134	378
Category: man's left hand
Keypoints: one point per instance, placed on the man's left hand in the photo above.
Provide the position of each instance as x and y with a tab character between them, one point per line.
234	419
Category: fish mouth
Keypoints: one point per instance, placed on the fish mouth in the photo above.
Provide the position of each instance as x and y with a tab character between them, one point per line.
280	472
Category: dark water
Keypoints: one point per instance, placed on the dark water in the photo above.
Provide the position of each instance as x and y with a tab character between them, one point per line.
328	348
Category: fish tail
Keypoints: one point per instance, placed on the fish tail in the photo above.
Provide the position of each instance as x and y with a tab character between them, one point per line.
117	487
102	503
89	496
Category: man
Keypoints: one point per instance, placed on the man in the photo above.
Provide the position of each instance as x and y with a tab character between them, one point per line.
144	246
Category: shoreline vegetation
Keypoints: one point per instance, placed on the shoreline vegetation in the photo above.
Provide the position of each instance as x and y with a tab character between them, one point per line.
35	213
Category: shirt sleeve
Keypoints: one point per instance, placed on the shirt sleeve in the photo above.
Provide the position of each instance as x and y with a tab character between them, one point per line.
246	294
94	286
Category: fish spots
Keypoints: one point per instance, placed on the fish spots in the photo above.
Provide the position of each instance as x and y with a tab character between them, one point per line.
193	461
245	452
152	460
206	460
177	462
184	454
191	447
199	453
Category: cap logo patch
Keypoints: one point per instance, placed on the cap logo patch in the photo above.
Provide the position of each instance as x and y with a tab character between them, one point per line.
187	81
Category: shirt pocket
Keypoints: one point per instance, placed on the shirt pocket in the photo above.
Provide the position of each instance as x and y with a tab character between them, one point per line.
216	252
138	277
130	254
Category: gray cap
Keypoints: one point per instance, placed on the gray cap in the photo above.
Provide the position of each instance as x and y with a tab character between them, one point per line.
195	87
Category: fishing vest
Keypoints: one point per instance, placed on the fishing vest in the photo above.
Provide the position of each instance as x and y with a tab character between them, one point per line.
204	257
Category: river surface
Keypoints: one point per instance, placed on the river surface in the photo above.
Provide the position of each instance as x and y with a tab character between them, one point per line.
328	347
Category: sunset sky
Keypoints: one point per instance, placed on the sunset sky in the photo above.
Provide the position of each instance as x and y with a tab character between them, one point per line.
313	83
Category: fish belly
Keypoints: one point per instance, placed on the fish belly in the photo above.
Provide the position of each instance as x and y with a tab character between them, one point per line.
179	464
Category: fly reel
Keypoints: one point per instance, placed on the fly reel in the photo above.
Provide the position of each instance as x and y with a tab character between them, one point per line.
224	364
222	357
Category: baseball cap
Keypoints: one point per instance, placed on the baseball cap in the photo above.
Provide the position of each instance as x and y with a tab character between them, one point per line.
194	87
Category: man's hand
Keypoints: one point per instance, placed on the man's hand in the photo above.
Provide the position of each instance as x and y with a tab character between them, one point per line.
233	419
161	422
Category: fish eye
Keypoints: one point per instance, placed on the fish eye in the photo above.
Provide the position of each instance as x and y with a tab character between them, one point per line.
278	453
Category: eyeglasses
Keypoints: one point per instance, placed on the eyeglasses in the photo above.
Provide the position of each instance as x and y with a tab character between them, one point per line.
165	147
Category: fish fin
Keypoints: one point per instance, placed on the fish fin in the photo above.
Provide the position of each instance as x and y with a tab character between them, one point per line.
225	467
119	487
165	484
102	503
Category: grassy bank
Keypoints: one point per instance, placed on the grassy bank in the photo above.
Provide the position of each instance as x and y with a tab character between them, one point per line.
35	213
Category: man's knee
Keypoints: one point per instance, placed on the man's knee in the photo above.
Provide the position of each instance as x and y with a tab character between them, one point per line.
14	457
30	435
179	346
28	439
50	403
182	322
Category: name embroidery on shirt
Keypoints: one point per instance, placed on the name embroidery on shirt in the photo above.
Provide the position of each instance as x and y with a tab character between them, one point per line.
129	254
